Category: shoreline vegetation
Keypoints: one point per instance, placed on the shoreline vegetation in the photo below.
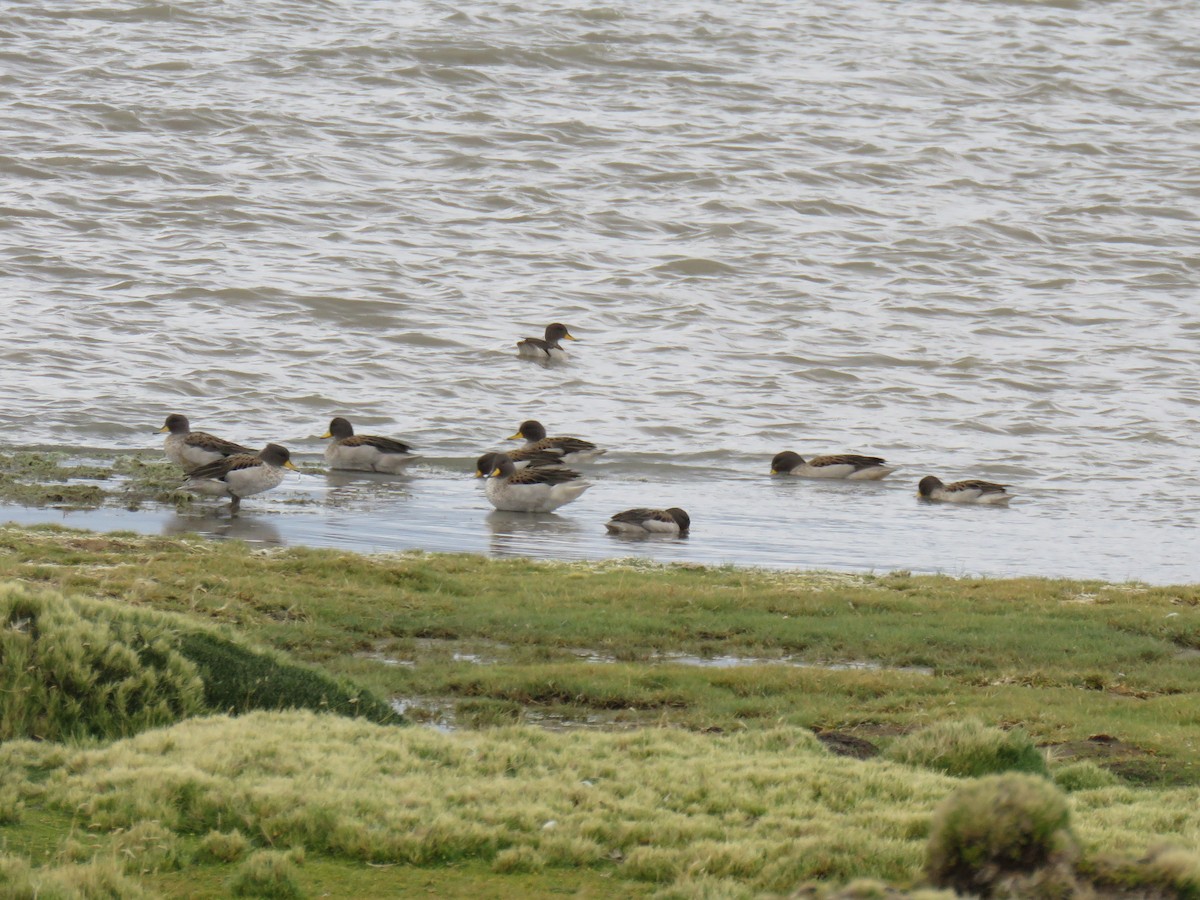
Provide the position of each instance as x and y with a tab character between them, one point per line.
128	480
205	719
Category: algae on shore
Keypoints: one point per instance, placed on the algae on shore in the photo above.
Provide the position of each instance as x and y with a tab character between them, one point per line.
54	478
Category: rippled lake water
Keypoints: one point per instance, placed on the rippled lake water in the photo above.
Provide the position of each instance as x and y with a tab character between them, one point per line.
960	235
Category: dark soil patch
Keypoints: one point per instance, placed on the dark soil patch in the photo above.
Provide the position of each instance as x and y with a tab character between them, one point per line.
1129	762
840	743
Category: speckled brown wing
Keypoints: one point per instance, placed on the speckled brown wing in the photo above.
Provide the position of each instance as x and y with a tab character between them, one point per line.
540	475
382	444
534	458
984	487
534	345
202	440
638	516
221	468
563	445
847	459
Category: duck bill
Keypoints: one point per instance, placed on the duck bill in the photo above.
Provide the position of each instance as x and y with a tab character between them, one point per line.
774	471
515	437
496	473
163	430
290	465
569	337
327	435
478	474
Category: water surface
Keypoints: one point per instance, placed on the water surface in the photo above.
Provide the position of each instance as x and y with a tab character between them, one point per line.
958	235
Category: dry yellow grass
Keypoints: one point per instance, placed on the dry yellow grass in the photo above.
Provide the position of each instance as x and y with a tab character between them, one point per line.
762	811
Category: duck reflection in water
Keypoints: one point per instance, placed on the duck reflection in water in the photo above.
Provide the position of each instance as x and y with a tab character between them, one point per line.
546	535
253	529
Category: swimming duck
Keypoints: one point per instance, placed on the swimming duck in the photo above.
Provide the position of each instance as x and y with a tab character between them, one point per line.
192	449
364	452
522	458
241	475
537	348
971	491
570	449
649	521
533	489
846	466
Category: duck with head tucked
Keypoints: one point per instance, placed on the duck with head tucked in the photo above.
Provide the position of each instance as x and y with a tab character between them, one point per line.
191	449
641	522
572	450
241	475
984	493
532	489
364	452
547	348
846	466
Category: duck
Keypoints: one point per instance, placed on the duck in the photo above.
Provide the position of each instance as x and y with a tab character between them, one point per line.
241	475
634	522
547	348
532	489
364	452
846	466
971	491
192	449
523	458
571	450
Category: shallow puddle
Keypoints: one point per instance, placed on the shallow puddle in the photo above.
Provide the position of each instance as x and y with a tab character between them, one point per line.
440	650
443	714
427	712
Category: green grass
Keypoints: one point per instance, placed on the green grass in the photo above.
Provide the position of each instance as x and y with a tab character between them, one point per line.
1063	660
686	781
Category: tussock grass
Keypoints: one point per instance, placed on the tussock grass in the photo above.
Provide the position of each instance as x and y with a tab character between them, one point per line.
1001	828
1172	870
757	808
967	748
223	846
11	805
147	846
518	859
267	874
1083	775
99	880
867	889
76	668
764	811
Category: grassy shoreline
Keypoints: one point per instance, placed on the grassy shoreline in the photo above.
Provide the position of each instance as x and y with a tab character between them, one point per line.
613	654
